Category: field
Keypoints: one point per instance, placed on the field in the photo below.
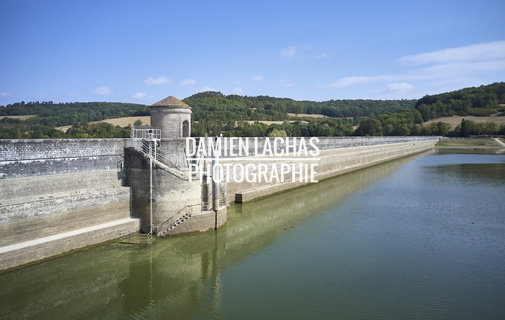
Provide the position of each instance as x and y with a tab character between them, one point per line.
122	122
307	115
477	142
264	122
20	117
455	120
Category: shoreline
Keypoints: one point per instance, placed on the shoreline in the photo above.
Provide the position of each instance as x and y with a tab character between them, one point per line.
468	143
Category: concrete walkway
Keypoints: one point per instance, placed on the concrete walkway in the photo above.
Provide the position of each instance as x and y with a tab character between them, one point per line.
33	250
499	141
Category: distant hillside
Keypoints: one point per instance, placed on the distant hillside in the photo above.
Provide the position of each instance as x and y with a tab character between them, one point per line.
232	115
35	120
454	121
215	113
465	105
476	101
217	106
61	114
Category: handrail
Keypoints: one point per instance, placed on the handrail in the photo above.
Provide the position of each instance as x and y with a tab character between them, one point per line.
149	133
176	216
159	160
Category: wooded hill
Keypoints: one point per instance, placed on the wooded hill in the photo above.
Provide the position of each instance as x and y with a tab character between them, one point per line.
217	106
213	113
476	101
231	115
48	115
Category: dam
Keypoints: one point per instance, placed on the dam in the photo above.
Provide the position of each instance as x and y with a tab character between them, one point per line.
61	195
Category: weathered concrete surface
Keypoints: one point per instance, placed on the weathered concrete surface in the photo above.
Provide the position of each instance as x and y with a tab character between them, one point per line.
60	195
28	158
172	195
177	202
32	228
34	188
40	248
173	120
200	222
332	162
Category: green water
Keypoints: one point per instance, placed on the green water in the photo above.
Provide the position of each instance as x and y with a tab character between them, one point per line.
418	238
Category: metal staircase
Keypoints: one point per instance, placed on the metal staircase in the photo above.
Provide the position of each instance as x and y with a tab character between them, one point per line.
146	141
177	219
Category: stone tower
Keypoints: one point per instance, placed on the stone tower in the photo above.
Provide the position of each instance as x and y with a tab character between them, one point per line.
166	196
173	117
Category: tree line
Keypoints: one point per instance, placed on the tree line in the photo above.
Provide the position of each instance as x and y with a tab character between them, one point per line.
233	115
18	129
476	101
48	115
212	105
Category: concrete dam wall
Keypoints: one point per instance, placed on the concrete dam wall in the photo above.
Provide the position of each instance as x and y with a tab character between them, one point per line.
336	156
60	195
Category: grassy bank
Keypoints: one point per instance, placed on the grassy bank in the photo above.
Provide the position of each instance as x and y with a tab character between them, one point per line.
462	143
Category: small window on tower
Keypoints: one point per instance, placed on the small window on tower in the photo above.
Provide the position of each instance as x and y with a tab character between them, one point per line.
185	129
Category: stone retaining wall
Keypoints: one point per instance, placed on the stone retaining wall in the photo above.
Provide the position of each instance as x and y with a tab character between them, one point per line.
336	157
51	188
25	158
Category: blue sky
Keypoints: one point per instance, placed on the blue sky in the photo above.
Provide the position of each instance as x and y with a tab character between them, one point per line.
144	51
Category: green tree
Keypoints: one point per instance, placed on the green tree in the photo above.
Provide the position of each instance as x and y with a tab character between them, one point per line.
277	133
369	127
466	128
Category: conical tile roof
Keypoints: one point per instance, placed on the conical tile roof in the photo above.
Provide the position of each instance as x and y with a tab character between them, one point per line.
169	102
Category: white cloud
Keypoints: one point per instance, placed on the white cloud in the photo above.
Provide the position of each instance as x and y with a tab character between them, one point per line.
5	94
401	87
288	52
257	78
350	81
475	52
103	91
157	81
139	95
187	82
238	90
453	69
470	62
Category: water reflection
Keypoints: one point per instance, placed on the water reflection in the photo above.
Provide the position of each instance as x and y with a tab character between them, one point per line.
176	278
472	174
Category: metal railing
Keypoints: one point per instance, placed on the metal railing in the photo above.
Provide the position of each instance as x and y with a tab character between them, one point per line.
159	160
145	134
178	218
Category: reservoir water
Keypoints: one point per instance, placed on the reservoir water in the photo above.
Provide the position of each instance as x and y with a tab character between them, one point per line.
417	238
